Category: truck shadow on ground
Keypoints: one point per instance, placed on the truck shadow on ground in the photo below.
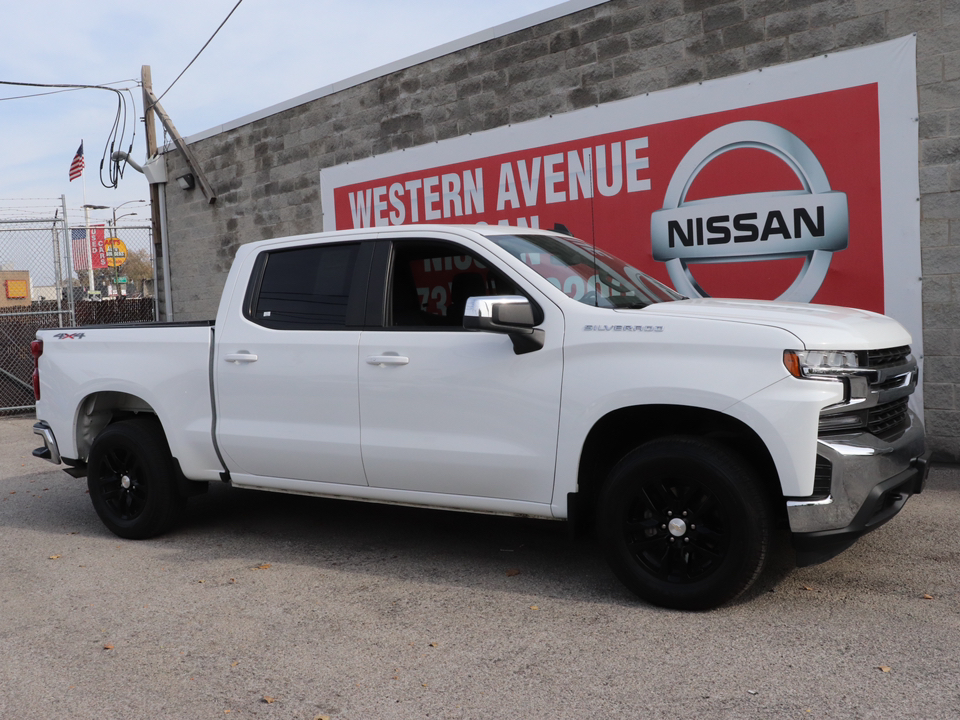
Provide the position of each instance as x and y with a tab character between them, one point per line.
439	546
524	555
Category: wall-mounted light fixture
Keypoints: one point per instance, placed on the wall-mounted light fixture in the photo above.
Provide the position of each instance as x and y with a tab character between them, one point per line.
186	182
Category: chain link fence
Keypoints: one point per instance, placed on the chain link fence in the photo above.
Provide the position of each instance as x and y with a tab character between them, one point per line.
51	276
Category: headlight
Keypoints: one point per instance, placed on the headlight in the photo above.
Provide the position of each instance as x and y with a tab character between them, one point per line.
821	364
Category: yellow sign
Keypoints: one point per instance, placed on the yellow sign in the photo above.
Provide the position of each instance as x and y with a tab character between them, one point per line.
116	252
16	289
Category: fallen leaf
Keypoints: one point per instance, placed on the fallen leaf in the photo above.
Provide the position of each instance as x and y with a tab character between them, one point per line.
928	597
108	647
263	566
883	668
54	557
234	664
269	700
512	572
433	644
534	607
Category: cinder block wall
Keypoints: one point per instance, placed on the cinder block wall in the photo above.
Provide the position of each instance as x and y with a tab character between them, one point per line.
266	173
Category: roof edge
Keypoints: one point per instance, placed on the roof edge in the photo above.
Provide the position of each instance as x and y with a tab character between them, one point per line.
536	18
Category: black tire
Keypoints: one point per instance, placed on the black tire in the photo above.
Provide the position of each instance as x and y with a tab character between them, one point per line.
722	523
132	481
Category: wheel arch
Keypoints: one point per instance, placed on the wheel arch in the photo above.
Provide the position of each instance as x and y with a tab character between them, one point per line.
100	409
622	430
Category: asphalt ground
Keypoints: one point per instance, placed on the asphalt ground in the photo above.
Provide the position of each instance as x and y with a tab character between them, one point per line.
270	605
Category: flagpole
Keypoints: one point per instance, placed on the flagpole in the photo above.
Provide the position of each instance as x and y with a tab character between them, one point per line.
89	234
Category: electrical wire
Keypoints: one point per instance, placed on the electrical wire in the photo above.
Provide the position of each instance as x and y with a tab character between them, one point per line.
52	92
118	129
56	92
160	97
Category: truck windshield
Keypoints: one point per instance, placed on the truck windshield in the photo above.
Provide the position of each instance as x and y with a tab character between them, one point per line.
584	273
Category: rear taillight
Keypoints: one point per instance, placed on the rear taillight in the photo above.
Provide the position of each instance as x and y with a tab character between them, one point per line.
36	349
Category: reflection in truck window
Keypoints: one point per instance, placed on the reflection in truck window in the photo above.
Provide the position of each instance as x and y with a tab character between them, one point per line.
432	280
585	273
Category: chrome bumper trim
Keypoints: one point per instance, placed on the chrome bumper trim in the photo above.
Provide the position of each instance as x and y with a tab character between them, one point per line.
860	462
49	451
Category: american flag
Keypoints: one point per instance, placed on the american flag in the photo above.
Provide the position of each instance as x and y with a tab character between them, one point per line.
79	238
76	167
82	237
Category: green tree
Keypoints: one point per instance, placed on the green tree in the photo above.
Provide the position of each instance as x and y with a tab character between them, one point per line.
137	268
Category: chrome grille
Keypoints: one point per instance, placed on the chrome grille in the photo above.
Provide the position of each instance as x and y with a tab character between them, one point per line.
822	478
887	357
888	417
891	384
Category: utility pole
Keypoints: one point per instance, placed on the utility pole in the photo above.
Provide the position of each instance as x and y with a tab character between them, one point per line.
146	81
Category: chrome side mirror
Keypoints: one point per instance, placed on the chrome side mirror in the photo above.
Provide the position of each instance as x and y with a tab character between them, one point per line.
508	314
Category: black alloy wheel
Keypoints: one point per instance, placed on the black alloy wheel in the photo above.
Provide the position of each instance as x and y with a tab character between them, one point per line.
131	479
676	529
685	523
122	483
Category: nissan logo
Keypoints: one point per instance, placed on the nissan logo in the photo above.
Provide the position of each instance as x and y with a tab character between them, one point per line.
812	223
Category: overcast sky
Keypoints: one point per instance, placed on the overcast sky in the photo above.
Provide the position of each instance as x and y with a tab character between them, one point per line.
268	52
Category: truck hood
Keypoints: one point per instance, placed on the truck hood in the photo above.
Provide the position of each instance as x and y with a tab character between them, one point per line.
819	327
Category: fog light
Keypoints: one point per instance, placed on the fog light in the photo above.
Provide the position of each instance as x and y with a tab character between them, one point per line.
832	423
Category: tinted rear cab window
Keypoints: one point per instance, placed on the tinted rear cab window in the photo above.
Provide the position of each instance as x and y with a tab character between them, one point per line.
306	288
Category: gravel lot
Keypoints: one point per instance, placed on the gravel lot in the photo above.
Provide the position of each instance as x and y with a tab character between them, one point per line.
281	606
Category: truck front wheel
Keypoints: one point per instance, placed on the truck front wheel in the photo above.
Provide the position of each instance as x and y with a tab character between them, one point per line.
130	475
684	523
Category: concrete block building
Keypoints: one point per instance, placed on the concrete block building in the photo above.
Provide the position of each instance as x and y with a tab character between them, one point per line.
265	169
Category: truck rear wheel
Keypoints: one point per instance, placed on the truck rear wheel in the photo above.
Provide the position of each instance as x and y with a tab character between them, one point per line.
684	523
131	479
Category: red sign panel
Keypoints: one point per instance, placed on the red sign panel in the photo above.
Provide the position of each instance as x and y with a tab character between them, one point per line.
97	244
773	200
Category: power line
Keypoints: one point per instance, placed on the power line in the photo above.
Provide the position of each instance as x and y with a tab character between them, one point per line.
114	169
160	97
56	92
52	92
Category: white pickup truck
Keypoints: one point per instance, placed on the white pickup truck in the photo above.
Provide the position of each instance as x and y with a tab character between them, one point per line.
501	370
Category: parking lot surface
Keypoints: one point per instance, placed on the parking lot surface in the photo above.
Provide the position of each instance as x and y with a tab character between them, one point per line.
269	605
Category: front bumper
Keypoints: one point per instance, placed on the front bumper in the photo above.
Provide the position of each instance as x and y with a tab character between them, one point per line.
870	482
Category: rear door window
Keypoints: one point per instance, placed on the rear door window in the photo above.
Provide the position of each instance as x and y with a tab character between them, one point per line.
307	288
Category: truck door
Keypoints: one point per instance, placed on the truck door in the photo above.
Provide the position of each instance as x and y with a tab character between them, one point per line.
446	410
286	366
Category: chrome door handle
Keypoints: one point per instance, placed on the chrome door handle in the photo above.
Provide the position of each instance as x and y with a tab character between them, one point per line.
387	360
240	358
